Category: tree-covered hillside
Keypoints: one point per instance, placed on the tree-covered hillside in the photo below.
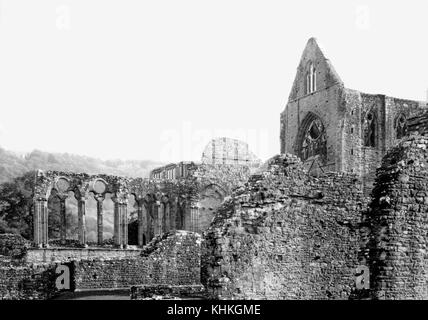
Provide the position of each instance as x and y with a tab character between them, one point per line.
13	165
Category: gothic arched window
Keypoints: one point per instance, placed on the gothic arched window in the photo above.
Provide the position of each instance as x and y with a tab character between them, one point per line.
370	129
400	126
313	138
311	79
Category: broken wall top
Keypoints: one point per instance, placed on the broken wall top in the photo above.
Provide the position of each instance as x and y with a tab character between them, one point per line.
285	177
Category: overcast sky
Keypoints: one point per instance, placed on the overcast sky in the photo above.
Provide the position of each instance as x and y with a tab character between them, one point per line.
157	79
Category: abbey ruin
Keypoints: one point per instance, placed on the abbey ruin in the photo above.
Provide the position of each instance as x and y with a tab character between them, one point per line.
346	199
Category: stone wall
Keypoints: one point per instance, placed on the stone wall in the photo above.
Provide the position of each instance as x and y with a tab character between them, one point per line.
18	282
371	159
418	125
396	250
229	151
171	259
286	235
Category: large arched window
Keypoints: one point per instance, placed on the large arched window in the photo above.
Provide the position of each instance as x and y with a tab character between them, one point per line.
370	130
311	79
312	138
400	126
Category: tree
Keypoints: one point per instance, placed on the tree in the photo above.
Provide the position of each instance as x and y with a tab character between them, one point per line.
15	205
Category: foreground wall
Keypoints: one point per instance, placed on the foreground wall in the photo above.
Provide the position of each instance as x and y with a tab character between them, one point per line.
398	221
286	235
26	282
171	260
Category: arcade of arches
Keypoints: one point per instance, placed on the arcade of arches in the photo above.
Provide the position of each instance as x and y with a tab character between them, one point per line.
139	209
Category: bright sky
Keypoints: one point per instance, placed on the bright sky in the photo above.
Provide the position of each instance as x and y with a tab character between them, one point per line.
157	79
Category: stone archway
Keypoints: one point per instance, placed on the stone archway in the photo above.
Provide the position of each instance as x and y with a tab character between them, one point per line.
370	130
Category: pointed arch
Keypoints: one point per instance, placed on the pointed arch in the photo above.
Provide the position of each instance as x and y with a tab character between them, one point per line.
370	130
311	139
310	80
400	126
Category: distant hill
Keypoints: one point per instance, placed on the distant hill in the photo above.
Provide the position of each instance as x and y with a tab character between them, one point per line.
13	164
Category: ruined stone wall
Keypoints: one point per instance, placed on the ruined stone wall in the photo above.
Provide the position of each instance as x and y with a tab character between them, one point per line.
361	159
370	161
397	248
357	157
343	112
396	107
419	124
172	259
229	151
212	184
352	154
27	282
286	235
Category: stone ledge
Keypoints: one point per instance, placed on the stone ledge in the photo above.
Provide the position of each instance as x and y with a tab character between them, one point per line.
50	255
160	292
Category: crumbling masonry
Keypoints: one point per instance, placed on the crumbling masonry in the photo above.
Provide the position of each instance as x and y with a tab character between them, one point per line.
307	225
348	194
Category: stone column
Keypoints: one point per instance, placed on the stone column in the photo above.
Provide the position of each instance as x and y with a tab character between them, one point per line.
45	223
117	230
100	216
187	216
124	215
194	217
150	221
120	222
39	233
159	217
172	214
63	218
166	217
180	217
81	210
37	242
141	215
